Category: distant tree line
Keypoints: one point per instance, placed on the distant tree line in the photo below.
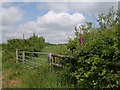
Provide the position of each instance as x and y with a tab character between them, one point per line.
34	43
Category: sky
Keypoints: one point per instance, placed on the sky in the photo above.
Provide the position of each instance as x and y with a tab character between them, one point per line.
55	21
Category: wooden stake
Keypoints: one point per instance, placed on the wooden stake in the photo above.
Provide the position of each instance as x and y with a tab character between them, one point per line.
53	60
16	55
49	58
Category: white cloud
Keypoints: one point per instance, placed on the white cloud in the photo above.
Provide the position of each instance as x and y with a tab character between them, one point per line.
94	8
55	27
60	19
6	4
11	15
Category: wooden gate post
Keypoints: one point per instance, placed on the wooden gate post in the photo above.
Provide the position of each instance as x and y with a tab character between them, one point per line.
49	58
53	59
23	57
16	55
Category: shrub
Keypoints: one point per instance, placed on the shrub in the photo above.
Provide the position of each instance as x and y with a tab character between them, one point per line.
89	67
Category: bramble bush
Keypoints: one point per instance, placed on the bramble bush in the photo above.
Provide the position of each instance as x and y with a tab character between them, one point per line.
89	68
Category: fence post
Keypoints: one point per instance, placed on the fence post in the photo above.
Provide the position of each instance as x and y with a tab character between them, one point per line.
49	58
53	59
16	55
23	57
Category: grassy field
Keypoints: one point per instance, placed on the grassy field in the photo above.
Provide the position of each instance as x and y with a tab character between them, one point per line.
55	48
0	66
38	76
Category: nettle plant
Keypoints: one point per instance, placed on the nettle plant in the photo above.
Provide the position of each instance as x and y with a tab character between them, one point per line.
89	67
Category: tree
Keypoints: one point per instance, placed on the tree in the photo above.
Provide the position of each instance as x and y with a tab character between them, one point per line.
34	43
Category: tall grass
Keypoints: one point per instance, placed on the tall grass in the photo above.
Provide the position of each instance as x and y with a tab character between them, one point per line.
0	61
0	66
41	75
